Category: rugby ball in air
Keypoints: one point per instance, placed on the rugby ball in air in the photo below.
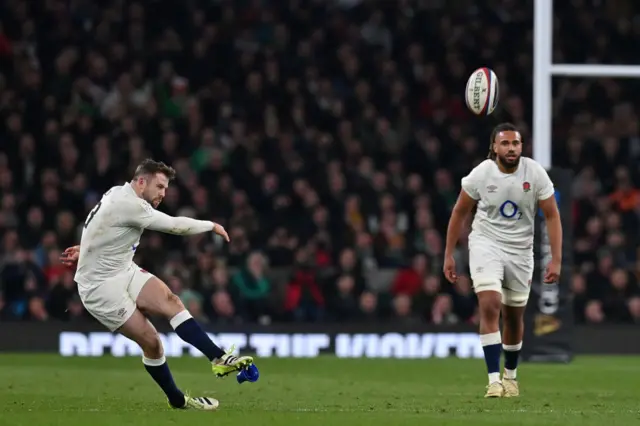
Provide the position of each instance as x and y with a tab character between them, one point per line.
481	94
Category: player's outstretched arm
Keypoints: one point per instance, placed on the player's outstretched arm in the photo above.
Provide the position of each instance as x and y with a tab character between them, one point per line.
549	208
149	218
461	211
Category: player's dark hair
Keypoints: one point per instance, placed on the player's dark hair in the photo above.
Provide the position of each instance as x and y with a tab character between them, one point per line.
502	127
150	167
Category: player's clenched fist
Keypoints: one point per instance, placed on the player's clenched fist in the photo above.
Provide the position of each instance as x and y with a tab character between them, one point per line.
449	269
219	229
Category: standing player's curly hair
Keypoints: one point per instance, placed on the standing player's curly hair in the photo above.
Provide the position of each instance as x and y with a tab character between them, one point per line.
502	127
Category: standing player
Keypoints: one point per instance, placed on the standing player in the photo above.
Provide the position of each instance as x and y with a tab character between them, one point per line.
119	294
507	190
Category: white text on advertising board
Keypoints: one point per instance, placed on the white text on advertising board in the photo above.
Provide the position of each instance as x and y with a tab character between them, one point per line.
388	345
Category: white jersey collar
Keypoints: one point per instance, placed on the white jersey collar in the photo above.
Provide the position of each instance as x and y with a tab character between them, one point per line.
129	188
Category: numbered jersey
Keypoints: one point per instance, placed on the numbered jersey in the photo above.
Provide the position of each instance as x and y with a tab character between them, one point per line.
507	202
110	236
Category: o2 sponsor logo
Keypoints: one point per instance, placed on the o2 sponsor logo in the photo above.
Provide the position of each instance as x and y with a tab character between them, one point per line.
510	210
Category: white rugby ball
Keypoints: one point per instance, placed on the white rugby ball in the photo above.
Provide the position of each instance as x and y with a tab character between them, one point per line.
482	91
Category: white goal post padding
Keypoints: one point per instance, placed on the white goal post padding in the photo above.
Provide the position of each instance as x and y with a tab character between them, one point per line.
543	72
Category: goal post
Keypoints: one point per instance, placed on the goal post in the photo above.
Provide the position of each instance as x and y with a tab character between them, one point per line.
543	72
549	317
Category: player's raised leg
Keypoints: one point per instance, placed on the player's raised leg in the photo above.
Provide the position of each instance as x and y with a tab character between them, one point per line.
154	297
110	304
141	331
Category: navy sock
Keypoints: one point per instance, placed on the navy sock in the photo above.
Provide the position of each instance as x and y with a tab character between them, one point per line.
492	347
190	331
159	370
511	356
492	357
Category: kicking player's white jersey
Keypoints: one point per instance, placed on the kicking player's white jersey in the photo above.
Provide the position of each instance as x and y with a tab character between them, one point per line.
108	280
112	233
501	240
110	236
507	202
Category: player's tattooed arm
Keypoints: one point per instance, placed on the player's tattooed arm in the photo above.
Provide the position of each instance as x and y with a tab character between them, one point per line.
459	215
549	208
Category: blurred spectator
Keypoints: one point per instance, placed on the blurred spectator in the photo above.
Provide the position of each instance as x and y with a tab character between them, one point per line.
223	309
463	299
408	280
60	296
37	310
402	309
443	310
618	299
368	305
426	297
580	297
344	303
328	136
304	298
594	313
252	288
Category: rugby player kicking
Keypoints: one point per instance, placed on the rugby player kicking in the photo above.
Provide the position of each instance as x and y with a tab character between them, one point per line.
119	294
506	190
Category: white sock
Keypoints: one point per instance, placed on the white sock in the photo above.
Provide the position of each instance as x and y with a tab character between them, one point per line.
180	318
510	374
494	377
153	362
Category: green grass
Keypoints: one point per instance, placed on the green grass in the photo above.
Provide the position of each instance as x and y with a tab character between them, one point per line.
43	390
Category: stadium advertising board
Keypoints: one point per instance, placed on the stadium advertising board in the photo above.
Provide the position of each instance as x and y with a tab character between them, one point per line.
303	341
298	341
295	345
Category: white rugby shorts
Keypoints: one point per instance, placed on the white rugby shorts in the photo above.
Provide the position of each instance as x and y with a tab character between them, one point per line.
493	269
114	301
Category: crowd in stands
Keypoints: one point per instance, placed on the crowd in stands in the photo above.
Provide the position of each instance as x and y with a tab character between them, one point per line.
329	137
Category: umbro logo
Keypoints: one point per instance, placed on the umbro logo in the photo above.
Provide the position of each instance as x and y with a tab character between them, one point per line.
121	312
492	189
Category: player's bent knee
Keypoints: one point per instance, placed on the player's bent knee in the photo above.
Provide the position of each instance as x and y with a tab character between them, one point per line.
140	330
156	298
175	301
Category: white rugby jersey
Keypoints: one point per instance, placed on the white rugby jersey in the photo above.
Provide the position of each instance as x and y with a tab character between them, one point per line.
112	232
507	202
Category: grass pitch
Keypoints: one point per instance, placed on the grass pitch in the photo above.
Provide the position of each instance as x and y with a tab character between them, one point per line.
44	390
